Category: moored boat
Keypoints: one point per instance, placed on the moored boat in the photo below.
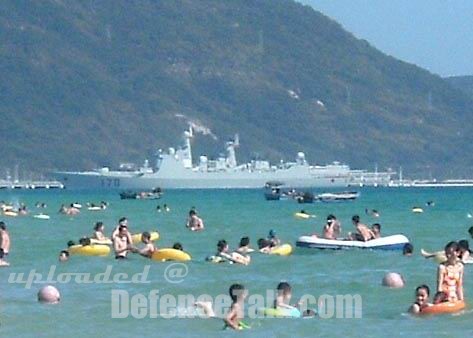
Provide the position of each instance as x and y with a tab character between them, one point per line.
338	196
393	242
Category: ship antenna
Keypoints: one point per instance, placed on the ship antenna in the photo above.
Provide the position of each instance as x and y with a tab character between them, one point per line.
231	157
187	158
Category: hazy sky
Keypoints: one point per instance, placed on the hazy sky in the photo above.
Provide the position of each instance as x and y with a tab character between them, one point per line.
433	34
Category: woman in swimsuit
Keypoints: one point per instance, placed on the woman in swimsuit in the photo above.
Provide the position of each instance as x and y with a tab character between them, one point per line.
450	274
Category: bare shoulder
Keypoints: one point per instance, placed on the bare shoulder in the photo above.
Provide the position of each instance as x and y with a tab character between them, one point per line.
415	308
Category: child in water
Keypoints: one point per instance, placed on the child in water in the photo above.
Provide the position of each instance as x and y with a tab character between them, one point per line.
440	297
64	256
238	293
422	299
234	317
450	274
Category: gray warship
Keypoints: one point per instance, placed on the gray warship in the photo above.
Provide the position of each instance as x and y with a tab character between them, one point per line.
175	169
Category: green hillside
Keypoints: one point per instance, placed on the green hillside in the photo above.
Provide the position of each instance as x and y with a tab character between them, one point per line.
90	83
464	83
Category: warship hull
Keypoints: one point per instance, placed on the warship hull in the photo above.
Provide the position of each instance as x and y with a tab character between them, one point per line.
176	170
84	180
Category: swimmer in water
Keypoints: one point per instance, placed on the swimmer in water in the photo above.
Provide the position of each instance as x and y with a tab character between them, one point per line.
166	208
149	248
22	210
3	262
122	222
422	299
440	297
264	245
121	243
273	238
235	315
233	319
178	246
283	297
244	247
64	256
62	209
372	212
194	222
408	249
158	208
450	274
99	229
4	239
283	300
224	252
464	252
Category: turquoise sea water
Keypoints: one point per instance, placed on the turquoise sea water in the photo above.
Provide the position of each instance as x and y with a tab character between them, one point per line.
85	309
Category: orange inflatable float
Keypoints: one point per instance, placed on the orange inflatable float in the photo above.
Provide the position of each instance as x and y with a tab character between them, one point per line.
447	307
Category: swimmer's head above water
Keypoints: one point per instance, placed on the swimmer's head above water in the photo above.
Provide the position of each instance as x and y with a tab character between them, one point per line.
237	292
222	246
244	241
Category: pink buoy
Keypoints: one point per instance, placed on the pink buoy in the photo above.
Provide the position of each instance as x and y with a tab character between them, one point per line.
393	280
49	294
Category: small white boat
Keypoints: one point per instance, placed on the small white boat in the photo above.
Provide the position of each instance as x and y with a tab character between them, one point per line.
338	196
394	242
96	208
41	216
